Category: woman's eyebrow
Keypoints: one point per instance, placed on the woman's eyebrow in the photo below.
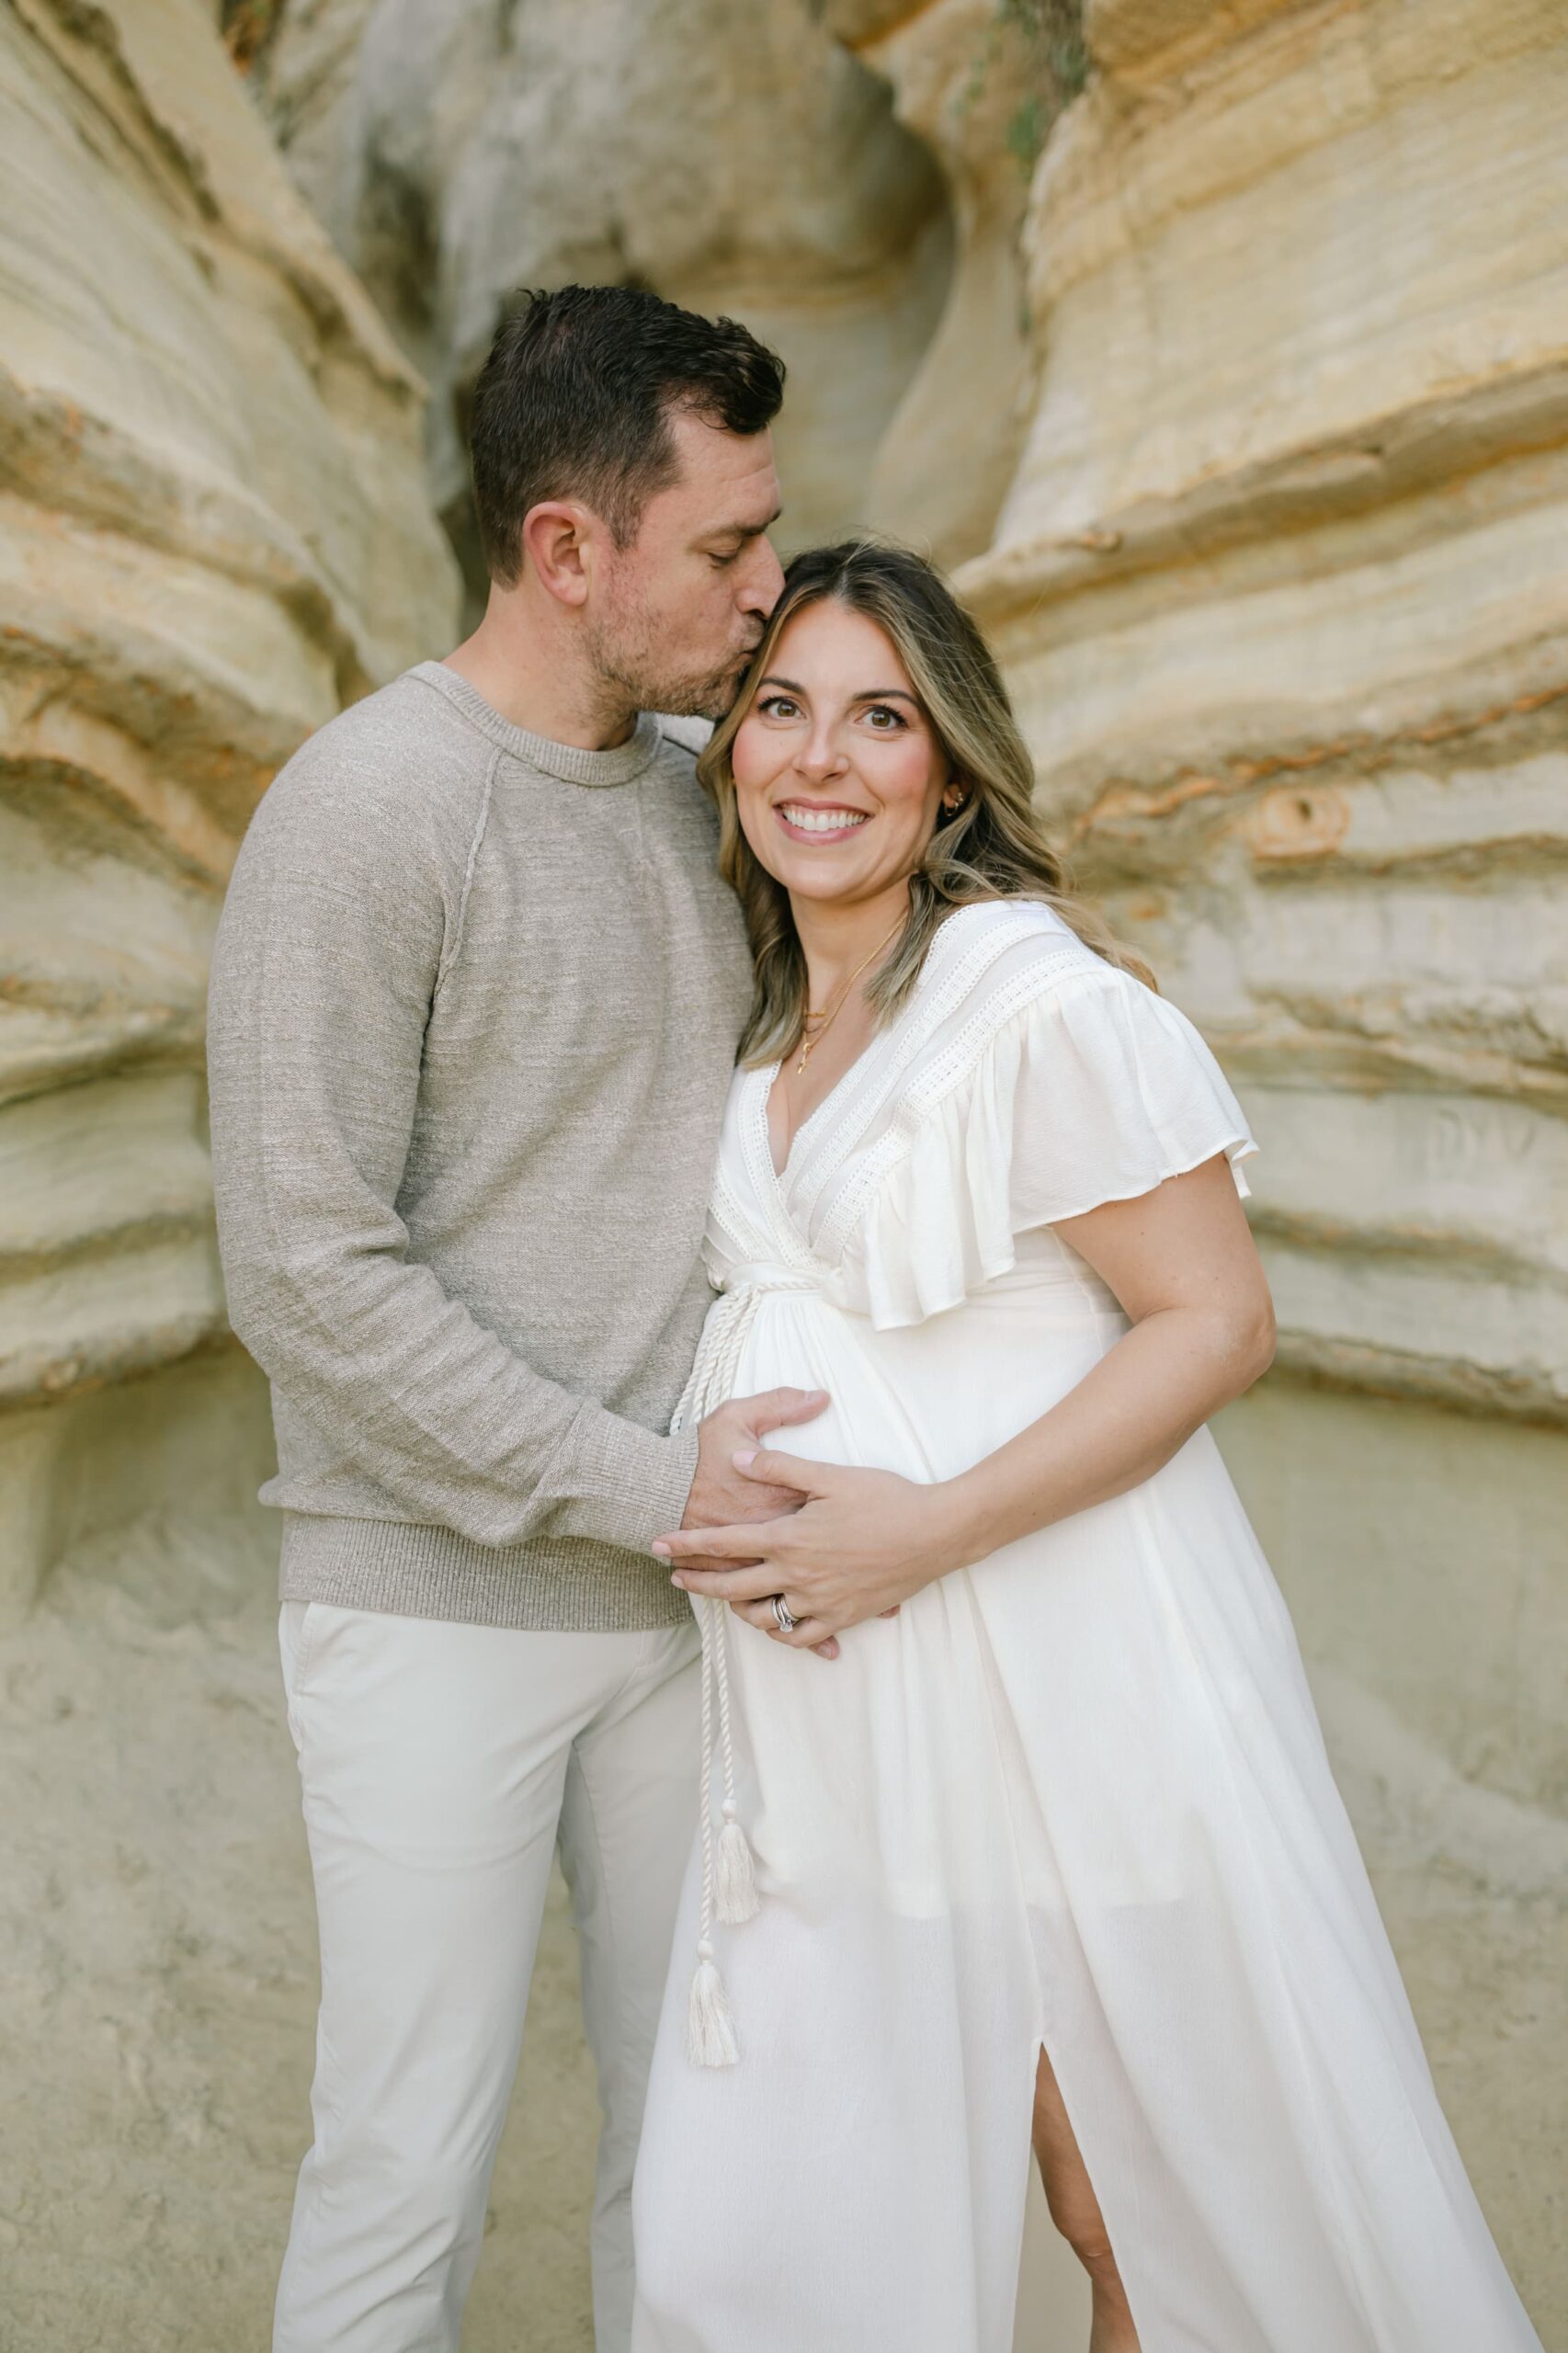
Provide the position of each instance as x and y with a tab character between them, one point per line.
866	694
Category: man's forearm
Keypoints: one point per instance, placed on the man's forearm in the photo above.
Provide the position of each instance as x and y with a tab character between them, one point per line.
455	1426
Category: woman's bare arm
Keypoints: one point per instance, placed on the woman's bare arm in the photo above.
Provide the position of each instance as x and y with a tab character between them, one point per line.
1183	1265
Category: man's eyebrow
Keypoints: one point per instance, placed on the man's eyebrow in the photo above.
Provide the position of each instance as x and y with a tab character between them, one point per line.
744	531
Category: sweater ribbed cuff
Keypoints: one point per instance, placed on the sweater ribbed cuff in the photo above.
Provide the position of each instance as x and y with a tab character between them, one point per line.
643	1478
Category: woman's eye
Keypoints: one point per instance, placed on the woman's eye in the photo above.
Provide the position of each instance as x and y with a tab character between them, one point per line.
779	706
883	711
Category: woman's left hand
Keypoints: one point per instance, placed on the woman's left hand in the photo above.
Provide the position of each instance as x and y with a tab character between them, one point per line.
861	1543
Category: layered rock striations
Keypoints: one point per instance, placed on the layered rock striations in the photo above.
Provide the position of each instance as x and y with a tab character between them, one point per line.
981	83
1280	589
735	160
213	532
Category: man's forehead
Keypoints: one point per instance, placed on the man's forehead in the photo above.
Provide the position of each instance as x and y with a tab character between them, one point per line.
733	473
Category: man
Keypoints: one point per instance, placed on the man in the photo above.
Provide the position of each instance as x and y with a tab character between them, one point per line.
475	1002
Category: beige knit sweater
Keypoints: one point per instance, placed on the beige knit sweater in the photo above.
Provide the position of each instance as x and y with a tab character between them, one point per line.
475	1002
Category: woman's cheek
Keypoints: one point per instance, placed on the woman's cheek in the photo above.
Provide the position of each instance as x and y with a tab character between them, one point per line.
752	810
749	762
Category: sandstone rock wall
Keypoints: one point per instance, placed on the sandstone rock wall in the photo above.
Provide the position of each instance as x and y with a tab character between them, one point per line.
981	85
1281	590
737	160
213	532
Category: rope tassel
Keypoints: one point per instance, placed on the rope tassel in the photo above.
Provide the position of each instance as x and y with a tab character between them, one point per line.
709	2029
734	1877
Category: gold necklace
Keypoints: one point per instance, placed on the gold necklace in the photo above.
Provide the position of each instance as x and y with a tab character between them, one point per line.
825	1020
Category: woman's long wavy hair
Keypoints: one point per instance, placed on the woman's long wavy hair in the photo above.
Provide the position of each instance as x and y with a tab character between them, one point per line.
991	848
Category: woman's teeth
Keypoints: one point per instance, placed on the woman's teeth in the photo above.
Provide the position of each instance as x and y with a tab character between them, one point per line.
821	821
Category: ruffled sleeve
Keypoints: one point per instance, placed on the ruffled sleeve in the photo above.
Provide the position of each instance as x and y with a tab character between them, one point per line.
1092	1090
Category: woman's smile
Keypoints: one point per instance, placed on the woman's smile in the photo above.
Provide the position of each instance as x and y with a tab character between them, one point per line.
819	821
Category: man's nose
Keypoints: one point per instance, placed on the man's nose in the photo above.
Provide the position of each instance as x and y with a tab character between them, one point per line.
765	579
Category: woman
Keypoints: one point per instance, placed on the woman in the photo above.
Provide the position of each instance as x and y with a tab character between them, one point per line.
1048	1832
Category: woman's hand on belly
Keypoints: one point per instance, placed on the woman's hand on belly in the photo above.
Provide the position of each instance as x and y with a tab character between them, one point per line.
861	1543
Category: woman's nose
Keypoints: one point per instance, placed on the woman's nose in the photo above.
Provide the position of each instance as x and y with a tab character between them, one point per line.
821	755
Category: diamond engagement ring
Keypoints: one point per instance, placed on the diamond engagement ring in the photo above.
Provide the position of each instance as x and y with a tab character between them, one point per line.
788	1621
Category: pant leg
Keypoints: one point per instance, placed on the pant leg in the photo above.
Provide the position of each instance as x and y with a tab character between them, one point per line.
433	1759
626	1831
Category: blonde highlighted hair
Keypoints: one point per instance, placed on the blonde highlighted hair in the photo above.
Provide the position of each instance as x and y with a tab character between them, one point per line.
990	847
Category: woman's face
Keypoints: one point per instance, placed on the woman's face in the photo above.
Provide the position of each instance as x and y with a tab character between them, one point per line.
838	775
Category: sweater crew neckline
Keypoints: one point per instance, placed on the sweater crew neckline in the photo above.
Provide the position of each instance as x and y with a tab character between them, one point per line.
572	763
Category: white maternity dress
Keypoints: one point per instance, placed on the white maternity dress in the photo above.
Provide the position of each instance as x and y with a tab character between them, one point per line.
1075	1796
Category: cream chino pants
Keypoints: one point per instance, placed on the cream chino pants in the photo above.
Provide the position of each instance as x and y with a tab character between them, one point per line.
442	1765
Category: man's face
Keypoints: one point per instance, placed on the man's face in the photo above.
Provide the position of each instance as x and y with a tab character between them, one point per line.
676	615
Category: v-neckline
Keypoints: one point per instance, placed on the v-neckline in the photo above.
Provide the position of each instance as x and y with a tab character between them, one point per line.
768	1077
766	1074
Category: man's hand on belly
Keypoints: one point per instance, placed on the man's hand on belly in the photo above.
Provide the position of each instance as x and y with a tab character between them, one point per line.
724	1496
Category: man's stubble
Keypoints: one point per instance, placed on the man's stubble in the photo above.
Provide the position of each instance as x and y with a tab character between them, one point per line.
632	667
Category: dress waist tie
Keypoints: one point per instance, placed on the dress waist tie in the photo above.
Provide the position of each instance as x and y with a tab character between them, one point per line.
729	1876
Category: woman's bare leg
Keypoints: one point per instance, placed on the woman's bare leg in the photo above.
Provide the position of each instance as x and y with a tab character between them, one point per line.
1075	2210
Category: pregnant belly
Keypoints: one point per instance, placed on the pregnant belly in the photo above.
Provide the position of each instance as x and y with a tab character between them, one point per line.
928	1400
877	1774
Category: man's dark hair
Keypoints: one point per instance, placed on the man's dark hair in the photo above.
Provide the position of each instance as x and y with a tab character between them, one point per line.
575	398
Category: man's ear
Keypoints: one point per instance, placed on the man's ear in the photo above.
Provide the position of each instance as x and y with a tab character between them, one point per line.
556	535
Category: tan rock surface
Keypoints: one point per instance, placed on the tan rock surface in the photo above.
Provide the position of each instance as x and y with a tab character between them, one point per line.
1282	591
212	533
969	81
737	161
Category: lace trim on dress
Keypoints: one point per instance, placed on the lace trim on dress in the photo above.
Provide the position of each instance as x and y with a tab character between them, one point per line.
938	995
926	1093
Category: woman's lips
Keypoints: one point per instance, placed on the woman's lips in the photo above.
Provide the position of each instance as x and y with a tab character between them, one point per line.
804	821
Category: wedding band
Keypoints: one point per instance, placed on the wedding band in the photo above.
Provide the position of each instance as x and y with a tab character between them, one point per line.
788	1621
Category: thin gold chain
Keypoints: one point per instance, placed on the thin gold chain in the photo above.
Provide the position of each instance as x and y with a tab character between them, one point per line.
825	1020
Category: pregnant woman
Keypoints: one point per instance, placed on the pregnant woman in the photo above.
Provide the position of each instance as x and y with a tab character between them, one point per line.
1044	1838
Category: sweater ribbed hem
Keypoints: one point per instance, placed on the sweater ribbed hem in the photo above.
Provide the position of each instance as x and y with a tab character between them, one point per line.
410	1571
